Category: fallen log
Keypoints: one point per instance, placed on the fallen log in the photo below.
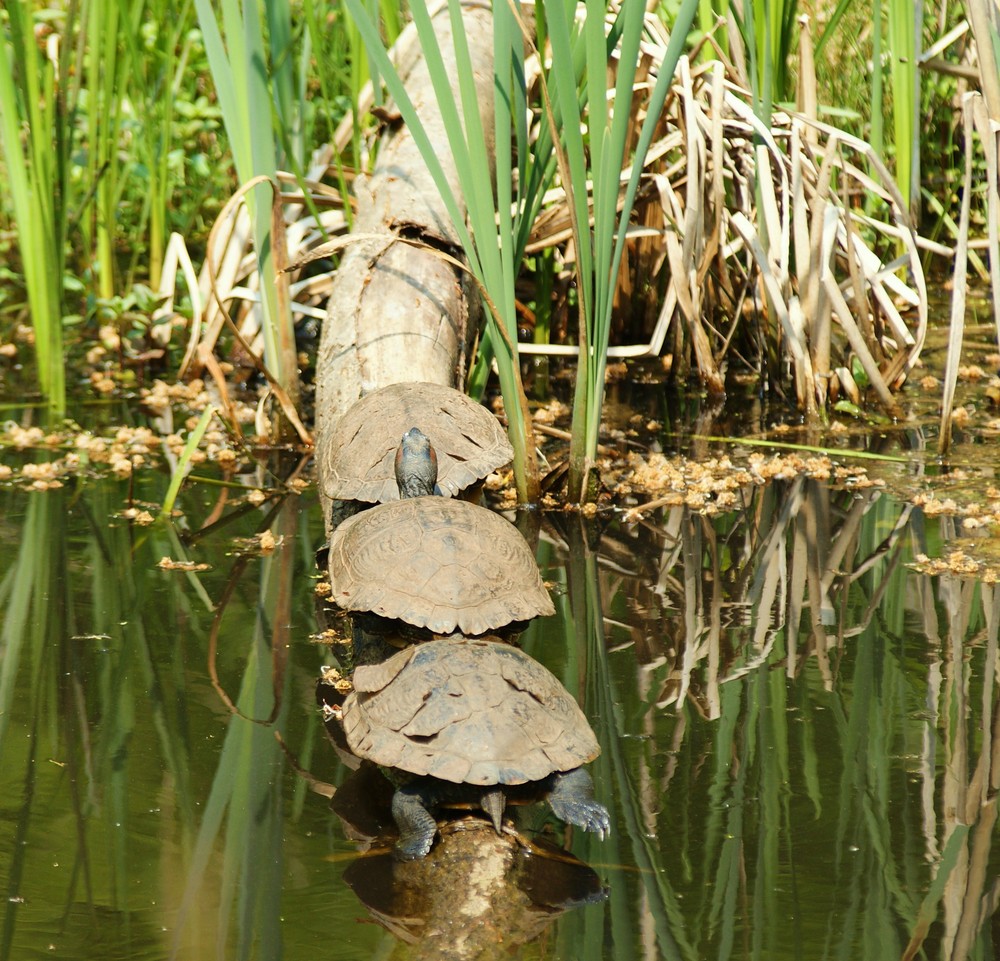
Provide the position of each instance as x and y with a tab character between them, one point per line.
398	312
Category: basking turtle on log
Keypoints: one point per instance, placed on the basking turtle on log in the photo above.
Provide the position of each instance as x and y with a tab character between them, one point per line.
357	464
472	721
433	562
463	720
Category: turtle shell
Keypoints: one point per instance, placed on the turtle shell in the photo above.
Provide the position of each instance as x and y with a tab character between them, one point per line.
436	563
357	463
472	712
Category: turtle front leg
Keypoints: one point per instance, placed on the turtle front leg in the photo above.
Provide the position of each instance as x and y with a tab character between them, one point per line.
416	826
572	800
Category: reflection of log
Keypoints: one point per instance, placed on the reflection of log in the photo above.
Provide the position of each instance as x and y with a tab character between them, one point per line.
399	313
476	895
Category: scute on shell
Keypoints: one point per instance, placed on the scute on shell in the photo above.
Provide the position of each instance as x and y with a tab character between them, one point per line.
358	462
436	563
450	709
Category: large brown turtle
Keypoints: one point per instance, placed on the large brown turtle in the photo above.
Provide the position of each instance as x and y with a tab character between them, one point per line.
433	562
358	462
478	714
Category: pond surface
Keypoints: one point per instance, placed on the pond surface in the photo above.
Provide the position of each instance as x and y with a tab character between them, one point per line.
800	739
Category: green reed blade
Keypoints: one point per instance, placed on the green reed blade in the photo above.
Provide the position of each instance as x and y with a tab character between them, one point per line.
246	791
587	670
184	461
600	252
902	36
36	190
242	80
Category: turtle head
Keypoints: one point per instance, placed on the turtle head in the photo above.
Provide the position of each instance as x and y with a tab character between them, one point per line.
416	465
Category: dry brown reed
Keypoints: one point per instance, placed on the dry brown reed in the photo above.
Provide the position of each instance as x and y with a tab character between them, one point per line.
785	249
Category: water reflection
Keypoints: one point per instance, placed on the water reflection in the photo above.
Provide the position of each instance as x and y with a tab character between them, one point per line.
475	895
800	738
798	730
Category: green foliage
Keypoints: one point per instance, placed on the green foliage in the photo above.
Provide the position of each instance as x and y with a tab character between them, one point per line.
108	147
904	34
116	116
591	142
767	29
184	461
598	156
253	77
158	49
33	91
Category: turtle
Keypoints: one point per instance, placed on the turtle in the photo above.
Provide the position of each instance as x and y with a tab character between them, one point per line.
358	462
435	563
469	720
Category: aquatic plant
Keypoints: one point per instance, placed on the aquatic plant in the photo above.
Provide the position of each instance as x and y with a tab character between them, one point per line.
774	673
496	237
245	282
252	70
980	114
740	239
488	238
600	219
33	98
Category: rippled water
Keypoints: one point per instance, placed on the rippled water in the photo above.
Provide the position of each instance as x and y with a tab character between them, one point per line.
797	730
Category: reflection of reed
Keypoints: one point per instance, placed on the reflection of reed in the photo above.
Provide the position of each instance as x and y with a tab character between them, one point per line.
92	682
101	691
587	673
965	828
757	698
793	558
246	794
34	630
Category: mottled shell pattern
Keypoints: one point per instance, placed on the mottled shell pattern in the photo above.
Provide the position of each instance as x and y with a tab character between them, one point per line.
474	712
358	460
436	563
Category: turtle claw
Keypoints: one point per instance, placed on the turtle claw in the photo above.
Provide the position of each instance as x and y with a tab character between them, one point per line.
596	820
493	803
416	827
586	814
413	847
572	800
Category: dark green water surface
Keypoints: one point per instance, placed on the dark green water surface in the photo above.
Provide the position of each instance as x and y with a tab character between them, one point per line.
797	731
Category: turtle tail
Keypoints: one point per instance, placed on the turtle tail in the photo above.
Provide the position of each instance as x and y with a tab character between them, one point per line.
493	802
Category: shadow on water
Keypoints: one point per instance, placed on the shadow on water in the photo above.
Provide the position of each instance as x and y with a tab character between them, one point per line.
800	742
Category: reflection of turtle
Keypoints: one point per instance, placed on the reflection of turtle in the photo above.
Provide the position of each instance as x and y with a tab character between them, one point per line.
358	460
432	562
475	713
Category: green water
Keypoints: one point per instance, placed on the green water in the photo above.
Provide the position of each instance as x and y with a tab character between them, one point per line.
796	732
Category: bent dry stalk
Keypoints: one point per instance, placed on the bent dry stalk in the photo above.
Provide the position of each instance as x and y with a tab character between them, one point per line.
237	62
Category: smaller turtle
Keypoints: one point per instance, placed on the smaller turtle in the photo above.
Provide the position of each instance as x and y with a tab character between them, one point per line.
357	462
432	562
470	721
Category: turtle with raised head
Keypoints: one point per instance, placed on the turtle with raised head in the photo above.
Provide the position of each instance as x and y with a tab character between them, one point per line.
357	463
433	562
472	720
